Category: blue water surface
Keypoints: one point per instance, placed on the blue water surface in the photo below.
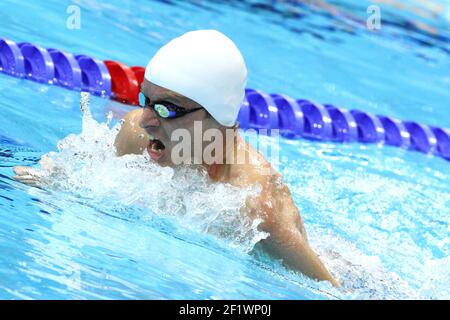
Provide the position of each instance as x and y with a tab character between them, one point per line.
378	216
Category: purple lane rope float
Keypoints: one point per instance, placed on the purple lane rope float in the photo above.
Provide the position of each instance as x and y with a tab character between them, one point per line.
295	118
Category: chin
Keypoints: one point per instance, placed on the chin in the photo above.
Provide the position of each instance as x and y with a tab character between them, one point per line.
164	163
165	160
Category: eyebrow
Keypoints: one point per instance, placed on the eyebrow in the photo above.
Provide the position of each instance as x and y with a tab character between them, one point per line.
172	100
175	100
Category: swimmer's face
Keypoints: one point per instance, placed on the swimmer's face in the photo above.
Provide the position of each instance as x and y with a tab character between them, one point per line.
161	129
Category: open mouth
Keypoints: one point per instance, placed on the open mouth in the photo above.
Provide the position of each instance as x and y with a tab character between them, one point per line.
155	148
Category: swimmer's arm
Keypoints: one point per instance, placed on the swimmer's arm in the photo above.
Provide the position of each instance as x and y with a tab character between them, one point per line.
27	175
289	245
131	139
32	176
287	240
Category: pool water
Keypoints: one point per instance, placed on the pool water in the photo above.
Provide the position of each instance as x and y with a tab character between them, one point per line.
123	228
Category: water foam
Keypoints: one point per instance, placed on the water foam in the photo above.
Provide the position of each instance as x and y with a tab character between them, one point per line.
86	165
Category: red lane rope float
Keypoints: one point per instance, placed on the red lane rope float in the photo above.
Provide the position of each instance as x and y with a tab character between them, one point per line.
125	81
139	73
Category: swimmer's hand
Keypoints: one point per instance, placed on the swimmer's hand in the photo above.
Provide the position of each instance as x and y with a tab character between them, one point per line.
31	176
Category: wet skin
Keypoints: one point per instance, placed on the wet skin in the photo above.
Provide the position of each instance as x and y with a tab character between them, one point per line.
274	205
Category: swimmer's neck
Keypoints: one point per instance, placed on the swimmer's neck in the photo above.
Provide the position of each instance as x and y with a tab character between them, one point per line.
222	171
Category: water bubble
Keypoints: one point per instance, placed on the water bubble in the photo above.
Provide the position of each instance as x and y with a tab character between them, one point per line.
109	118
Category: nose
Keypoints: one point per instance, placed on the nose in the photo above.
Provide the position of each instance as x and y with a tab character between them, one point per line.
148	119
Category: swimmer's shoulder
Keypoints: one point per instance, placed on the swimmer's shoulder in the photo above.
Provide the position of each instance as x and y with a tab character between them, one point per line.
129	139
255	169
134	114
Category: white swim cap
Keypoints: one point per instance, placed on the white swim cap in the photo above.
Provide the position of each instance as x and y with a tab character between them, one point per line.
204	66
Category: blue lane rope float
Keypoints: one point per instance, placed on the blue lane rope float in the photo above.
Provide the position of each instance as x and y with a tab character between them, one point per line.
11	58
95	77
293	118
38	63
67	69
54	67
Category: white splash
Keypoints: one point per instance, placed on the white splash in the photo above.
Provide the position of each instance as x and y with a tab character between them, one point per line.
86	165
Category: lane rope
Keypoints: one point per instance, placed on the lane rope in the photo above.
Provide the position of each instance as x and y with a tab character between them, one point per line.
295	118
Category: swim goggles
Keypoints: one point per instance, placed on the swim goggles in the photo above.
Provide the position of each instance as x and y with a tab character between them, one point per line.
164	109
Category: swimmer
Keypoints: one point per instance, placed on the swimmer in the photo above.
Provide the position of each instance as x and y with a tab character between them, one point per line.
200	77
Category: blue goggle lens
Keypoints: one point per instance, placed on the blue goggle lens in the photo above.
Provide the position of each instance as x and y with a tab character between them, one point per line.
142	99
162	110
